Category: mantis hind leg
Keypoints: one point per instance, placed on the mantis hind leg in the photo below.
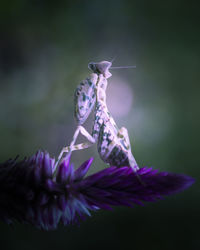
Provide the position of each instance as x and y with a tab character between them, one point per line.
123	134
124	139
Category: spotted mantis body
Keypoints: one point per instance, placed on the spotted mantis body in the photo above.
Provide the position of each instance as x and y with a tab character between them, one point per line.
113	143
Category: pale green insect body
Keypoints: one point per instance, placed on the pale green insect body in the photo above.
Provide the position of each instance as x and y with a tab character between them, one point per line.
113	143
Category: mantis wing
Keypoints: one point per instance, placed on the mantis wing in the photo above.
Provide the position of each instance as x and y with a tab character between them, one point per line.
85	98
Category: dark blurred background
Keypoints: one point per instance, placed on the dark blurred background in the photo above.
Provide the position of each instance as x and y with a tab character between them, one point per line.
45	47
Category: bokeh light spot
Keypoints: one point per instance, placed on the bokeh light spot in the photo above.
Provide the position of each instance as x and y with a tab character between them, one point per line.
119	97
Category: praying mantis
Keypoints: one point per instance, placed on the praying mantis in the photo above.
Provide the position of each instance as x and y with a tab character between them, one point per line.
113	144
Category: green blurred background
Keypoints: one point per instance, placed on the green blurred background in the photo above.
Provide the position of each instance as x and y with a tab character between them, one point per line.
45	47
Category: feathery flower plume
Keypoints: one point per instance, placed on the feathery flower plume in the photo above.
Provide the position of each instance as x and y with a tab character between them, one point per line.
30	193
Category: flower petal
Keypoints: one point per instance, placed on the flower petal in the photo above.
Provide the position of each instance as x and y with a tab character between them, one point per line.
82	170
30	193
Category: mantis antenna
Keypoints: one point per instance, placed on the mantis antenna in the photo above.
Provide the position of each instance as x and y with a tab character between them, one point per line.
113	59
123	67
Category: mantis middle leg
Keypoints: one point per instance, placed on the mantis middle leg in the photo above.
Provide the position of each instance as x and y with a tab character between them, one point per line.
72	147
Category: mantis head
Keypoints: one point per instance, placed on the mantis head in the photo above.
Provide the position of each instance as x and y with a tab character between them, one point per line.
101	68
104	67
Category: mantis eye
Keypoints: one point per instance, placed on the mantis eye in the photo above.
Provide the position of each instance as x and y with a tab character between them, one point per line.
91	66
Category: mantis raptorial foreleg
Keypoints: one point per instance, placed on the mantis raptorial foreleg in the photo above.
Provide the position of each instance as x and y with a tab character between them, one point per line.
84	132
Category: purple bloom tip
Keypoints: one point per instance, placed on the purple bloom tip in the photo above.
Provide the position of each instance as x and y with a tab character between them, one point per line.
30	193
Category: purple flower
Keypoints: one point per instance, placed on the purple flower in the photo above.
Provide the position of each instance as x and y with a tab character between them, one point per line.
30	193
